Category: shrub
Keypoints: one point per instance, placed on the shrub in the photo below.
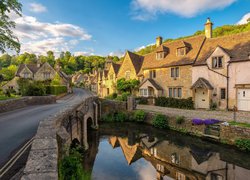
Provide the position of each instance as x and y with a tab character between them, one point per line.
175	103
197	121
211	121
56	90
142	100
160	121
213	106
7	93
108	117
180	119
243	144
35	89
120	117
123	97
139	115
112	96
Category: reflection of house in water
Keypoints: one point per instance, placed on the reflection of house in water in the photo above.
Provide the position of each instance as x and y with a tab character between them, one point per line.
179	162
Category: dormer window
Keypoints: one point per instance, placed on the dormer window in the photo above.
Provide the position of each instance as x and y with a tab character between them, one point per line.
26	75
127	75
159	55
46	75
217	62
181	51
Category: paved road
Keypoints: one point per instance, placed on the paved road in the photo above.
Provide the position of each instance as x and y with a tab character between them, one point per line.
18	126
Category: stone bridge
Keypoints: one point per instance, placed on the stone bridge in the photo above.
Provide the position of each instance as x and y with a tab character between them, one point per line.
56	133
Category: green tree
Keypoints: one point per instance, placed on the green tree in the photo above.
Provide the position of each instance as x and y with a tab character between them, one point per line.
9	72
56	80
5	60
124	85
7	39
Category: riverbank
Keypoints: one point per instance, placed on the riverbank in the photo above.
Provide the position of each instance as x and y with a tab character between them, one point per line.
184	121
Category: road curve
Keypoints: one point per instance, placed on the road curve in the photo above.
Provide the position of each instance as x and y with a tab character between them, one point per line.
18	126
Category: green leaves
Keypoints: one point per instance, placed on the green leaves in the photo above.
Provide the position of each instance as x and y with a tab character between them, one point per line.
7	39
124	85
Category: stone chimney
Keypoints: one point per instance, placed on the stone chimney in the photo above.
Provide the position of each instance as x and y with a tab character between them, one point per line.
209	28
158	41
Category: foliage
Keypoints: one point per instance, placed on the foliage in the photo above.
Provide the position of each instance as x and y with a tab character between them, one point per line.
180	119
175	103
57	80
8	73
7	39
71	168
123	96
213	106
115	117
146	50
56	90
139	115
234	123
243	144
112	96
160	121
31	88
142	100
124	85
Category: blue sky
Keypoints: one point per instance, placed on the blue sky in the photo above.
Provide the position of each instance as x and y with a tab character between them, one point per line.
104	27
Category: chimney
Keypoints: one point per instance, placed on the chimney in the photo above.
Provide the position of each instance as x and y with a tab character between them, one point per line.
209	28
158	41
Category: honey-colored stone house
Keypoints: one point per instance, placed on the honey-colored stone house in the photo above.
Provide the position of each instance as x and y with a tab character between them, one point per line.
36	72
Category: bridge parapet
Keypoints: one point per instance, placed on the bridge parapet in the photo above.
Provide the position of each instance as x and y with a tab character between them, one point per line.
56	132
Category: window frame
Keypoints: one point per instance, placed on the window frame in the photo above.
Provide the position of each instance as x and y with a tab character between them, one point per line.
217	62
175	92
152	74
225	94
127	75
173	72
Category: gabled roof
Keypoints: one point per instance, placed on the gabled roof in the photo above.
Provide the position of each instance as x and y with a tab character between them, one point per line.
116	67
32	67
137	61
154	84
202	83
237	46
171	59
162	48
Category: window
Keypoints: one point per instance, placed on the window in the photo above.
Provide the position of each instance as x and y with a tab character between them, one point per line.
160	168
153	151
159	55
180	176
111	77
144	92
46	75
216	177
152	74
222	93
175	92
26	75
217	62
175	72
127	74
181	51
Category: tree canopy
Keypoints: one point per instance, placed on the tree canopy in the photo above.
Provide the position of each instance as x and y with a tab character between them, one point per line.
7	39
124	85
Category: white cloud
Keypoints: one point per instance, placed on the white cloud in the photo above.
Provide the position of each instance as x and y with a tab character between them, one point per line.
118	53
244	19
37	8
39	37
83	53
148	9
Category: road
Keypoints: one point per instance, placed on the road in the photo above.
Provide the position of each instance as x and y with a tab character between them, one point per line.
18	126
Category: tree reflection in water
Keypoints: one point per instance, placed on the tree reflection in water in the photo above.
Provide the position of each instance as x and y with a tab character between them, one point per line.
135	151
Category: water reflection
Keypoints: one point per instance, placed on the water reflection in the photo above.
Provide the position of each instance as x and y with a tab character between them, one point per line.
142	152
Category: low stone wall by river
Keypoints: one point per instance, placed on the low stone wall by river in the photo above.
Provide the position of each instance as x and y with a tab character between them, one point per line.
13	104
108	106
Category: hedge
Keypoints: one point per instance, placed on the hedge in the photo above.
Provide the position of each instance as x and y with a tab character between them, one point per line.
175	103
56	90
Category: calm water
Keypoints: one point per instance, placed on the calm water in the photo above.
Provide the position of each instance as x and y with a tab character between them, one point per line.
142	152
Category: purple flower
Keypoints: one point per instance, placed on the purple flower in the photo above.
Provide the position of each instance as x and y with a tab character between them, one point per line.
197	121
211	121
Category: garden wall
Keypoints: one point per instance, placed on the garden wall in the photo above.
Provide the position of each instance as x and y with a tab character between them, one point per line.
108	106
13	104
227	134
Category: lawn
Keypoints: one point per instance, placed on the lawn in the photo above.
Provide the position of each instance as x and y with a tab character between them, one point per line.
3	97
234	123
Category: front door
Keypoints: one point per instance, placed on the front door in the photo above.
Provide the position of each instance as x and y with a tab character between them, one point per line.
243	99
201	98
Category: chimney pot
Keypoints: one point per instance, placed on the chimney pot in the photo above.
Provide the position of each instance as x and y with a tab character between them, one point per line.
209	28
158	41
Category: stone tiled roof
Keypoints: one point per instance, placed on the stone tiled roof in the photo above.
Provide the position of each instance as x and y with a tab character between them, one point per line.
137	61
202	83
237	46
171	58
155	84
32	67
116	67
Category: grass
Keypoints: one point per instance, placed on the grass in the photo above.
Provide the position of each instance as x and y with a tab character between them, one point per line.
234	123
3	97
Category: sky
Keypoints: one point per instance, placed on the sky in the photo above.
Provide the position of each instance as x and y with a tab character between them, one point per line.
110	27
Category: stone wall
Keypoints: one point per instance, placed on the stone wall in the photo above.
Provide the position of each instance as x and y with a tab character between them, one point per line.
227	134
12	104
112	106
53	136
